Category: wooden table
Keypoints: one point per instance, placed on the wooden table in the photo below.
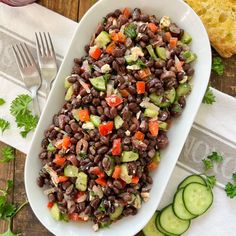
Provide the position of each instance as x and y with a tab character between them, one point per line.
26	222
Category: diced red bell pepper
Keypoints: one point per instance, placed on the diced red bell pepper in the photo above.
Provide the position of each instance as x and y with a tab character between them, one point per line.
84	115
114	100
140	86
126	12
62	179
153	27
80	194
153	127
110	48
173	42
66	142
106	128
101	181
75	217
152	166
96	171
116	172
135	180
50	205
95	52
59	160
139	135
116	147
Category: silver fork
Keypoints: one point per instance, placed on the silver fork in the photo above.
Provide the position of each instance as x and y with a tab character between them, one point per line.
46	58
29	72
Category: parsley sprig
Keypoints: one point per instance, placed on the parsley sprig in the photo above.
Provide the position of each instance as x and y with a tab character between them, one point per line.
2	101
214	157
7	209
217	66
230	188
24	118
209	97
7	154
4	125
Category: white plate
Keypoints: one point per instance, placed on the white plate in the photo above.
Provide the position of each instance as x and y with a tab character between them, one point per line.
185	17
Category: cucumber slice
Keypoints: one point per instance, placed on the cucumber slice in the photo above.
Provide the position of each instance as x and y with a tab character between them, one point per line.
179	208
163	125
161	52
69	93
124	175
171	223
99	83
55	212
118	122
150	228
81	182
150	113
128	156
71	171
88	125
161	229
96	120
197	198
151	52
183	89
112	166
186	38
192	179
102	39
118	211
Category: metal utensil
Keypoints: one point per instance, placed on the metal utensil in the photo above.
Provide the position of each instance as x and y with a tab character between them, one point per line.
29	72
46	58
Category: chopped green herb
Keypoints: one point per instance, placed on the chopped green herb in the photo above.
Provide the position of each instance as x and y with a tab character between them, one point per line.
230	190
234	176
19	106
130	31
105	224
216	157
140	63
4	125
209	97
217	66
2	101
210	181
208	164
102	207
7	154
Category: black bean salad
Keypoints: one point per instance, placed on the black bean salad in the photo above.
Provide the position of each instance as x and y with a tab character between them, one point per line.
121	97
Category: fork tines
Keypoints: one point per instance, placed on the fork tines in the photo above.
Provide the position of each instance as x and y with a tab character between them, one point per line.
44	44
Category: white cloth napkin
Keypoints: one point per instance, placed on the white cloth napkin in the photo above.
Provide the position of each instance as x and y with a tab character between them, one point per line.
214	127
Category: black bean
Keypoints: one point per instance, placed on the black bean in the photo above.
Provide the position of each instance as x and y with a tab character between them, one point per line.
40	181
53	134
43	155
163	115
190	72
151	153
100	110
127	211
88	210
117	184
132	106
106	163
162	140
95	203
97	159
182	101
68	129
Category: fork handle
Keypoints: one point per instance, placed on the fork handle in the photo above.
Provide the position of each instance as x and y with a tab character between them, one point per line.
48	88
35	102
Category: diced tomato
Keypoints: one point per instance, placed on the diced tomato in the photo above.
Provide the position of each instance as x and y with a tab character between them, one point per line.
116	172
168	36
106	128
135	180
80	194
153	127
75	217
114	100
110	48
179	65
62	179
152	166
118	37
124	93
96	171
126	12
139	135
50	205
84	115
153	27
95	52
66	142
101	181
140	86
173	42
58	144
59	160
116	147
143	74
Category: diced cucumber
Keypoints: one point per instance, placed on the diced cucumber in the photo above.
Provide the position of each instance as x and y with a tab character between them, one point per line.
128	156
88	125
96	120
157	157
189	56
160	228
150	113
69	93
118	211
137	203
99	83
191	179
75	113
163	125
151	52
161	52
183	89
171	223
197	198
55	212
50	148
179	208
71	171
170	95
124	175
102	39
81	181
150	228
112	166
67	84
118	122
186	38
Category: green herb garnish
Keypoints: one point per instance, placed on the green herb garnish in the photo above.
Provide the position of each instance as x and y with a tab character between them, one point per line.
2	101
4	125
7	154
211	159
130	31
210	181
230	188
209	97
217	66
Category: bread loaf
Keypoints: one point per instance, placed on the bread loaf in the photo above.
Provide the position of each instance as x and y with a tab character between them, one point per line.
219	18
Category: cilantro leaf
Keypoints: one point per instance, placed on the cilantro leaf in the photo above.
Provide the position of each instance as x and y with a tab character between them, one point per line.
217	66
215	157
102	207
20	105
207	164
234	176
4	125
130	31
209	97
230	190
210	181
7	154
140	63
9	210
2	101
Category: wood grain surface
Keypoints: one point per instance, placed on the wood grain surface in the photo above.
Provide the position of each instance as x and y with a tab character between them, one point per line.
26	222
